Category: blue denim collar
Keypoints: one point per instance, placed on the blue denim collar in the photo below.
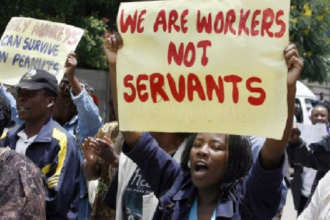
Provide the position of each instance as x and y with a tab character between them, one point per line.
44	135
188	192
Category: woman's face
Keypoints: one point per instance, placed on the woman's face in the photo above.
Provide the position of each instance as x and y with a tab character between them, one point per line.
208	159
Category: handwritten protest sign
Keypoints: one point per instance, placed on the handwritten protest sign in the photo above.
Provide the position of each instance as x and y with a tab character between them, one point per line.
312	133
203	66
35	44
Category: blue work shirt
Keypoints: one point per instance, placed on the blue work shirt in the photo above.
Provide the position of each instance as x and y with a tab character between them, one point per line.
256	145
88	121
172	185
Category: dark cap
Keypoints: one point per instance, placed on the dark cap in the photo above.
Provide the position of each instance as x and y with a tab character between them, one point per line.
39	79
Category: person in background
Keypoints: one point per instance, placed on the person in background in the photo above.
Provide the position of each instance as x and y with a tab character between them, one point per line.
321	96
46	143
298	117
129	193
315	156
12	101
319	207
323	100
95	98
22	192
75	110
105	170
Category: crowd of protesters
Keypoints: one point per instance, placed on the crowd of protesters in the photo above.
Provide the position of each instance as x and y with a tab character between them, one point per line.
61	161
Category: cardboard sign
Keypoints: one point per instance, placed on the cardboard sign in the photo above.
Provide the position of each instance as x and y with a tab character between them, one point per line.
203	66
312	133
35	44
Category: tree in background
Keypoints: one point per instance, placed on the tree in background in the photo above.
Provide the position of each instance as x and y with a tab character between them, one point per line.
86	14
310	19
309	29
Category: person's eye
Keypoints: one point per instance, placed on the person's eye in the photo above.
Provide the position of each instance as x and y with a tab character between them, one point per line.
197	145
216	147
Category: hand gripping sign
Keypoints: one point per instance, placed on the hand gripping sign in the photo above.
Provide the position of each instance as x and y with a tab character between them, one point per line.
35	44
203	66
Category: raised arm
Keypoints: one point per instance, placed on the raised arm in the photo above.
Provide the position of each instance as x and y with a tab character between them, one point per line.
91	164
315	156
71	64
89	120
273	150
111	45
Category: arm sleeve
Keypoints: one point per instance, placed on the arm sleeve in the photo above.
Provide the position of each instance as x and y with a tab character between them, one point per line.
89	120
317	157
264	190
63	176
158	168
12	102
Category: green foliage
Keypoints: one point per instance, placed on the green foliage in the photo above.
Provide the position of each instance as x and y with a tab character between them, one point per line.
90	47
86	14
309	23
310	19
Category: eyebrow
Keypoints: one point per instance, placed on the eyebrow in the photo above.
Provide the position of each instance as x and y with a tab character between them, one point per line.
212	140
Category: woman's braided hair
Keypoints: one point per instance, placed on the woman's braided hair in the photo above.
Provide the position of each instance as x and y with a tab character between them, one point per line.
239	164
5	113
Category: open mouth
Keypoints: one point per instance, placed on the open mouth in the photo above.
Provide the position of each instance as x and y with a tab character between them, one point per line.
21	108
200	169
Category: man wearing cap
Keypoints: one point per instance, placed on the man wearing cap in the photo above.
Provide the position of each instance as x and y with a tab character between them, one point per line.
46	143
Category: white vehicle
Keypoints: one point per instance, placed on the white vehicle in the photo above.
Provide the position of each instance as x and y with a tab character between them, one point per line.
304	98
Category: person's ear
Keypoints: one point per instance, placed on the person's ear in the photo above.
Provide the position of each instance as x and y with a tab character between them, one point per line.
51	102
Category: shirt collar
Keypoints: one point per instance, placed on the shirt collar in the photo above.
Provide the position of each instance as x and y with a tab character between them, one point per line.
24	136
225	209
44	135
72	121
189	192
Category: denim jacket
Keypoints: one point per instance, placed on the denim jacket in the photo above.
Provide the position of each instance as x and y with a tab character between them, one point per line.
88	121
261	189
85	124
